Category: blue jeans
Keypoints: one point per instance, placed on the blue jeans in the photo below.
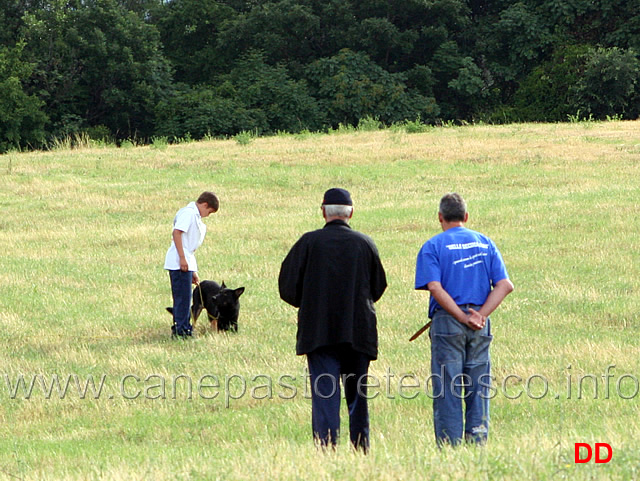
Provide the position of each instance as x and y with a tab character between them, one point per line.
327	367
181	292
460	368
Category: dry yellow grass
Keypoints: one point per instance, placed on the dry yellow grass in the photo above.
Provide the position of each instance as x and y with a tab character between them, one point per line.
82	293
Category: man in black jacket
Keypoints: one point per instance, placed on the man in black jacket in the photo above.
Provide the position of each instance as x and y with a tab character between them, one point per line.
334	276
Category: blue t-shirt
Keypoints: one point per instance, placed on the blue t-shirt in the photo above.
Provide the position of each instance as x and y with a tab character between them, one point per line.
466	263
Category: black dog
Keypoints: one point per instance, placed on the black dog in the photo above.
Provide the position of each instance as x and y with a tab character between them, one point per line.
221	303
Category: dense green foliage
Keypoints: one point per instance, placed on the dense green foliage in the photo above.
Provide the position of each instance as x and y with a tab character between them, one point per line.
21	118
135	69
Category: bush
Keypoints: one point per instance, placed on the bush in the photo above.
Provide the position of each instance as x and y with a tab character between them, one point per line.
244	137
609	82
202	112
254	97
414	126
160	143
99	133
21	118
548	93
349	87
368	124
595	82
286	103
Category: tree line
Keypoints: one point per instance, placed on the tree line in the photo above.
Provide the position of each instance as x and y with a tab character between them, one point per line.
139	69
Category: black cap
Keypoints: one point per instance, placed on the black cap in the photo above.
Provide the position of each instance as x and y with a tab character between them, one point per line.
337	197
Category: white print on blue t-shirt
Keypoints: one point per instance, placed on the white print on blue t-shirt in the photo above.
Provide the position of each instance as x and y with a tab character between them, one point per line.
468	245
482	254
466	263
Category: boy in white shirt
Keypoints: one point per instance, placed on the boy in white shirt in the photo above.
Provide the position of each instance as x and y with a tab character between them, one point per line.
188	234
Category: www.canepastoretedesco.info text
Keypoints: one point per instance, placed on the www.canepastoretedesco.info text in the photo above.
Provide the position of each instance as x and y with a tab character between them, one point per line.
230	387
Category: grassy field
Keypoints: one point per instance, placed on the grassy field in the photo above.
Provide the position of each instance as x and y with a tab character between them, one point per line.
92	386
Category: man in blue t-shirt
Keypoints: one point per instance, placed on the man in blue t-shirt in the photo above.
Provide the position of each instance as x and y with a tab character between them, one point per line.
466	276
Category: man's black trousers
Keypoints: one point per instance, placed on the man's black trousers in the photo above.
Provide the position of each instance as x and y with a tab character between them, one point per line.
328	368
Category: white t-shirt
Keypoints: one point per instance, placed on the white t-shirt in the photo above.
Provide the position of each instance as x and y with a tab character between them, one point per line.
189	221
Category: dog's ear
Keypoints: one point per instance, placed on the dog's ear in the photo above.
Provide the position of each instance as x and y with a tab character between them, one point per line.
238	292
223	286
170	310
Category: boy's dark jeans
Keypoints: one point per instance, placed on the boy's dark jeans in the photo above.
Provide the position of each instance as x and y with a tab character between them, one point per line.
181	292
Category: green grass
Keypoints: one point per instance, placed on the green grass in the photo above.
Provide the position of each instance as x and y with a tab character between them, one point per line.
83	292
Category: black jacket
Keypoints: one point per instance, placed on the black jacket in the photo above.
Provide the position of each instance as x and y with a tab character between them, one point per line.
334	275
